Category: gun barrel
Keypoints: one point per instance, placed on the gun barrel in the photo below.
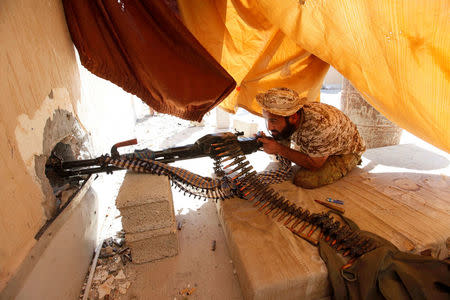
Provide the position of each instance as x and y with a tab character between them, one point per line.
202	148
178	153
88	171
79	163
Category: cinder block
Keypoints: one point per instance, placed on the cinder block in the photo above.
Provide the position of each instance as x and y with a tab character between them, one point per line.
152	245
138	189
146	205
147	216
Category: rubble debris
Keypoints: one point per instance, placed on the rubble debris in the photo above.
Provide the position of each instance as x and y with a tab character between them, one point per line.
110	277
100	274
119	242
120	275
123	287
106	287
123	250
106	252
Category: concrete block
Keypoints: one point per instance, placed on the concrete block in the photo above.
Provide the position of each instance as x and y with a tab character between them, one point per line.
249	128
138	189
146	205
152	245
147	216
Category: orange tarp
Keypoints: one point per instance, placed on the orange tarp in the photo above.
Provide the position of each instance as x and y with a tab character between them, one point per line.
256	53
396	53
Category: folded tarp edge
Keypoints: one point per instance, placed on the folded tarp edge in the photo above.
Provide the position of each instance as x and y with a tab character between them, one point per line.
145	49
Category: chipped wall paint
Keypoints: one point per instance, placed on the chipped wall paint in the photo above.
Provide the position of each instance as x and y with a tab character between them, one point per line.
29	131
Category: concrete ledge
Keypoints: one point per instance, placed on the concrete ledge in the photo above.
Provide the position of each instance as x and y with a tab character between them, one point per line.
56	266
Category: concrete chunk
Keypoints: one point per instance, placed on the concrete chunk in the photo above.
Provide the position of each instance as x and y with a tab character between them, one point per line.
138	189
155	246
147	216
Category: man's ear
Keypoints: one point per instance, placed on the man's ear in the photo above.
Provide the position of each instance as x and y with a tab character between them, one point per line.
294	118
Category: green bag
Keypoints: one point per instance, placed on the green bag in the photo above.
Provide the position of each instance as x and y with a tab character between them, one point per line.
386	273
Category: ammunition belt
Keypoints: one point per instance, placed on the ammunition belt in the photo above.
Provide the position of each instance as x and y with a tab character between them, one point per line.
188	182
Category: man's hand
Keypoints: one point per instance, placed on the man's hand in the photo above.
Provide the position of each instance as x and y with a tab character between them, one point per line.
273	147
270	146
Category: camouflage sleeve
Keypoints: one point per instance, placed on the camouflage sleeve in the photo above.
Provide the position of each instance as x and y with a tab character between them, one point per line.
321	136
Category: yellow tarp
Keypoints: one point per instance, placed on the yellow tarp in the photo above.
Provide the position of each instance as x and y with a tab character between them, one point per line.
396	53
256	53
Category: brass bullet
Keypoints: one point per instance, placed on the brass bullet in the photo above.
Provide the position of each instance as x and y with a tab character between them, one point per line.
288	220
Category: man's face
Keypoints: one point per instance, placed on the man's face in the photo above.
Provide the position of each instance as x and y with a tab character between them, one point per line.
279	127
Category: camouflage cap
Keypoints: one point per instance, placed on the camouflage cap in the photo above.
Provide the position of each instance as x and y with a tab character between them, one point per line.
281	101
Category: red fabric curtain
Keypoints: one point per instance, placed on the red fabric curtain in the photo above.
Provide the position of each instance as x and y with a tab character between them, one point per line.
143	47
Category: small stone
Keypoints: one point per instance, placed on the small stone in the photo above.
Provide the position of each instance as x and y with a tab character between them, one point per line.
113	267
103	290
107	251
101	275
92	294
101	261
123	287
107	242
122	290
110	281
119	241
120	275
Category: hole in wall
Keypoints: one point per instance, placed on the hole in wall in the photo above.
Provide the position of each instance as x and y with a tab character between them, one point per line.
63	188
63	139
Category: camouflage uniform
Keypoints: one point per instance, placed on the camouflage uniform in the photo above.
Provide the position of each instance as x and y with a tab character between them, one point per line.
326	131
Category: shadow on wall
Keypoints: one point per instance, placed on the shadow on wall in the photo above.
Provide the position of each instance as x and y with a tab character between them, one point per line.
407	156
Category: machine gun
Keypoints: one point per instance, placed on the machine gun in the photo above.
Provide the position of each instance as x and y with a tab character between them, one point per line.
203	147
235	179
